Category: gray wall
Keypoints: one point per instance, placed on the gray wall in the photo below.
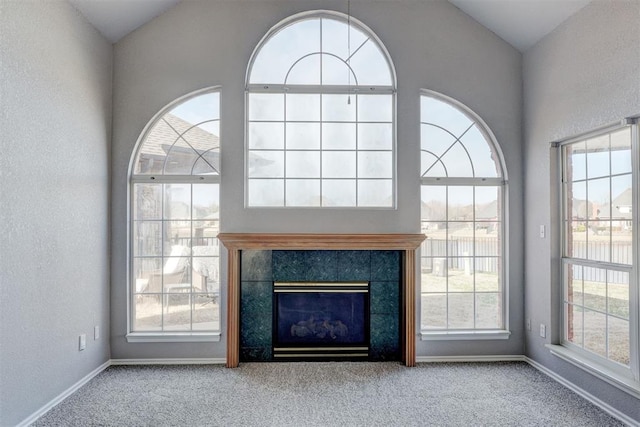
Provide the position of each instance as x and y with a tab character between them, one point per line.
55	120
199	44
583	75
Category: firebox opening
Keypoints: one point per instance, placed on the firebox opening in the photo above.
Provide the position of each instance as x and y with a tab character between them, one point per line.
321	321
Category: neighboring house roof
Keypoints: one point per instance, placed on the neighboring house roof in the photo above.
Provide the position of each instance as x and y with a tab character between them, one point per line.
170	130
620	207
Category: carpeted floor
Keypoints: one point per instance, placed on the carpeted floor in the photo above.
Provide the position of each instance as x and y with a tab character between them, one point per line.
326	394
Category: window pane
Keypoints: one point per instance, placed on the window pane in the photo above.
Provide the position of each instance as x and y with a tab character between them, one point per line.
303	107
336	71
595	289
434	275
460	275
177	311
339	164
435	244
205	274
303	136
460	203
618	338
370	65
335	108
444	115
598	157
375	108
479	149
205	312
574	322
574	291
375	136
461	312
457	162
282	49
147	314
147	275
303	164
434	205
618	293
266	192
177	201
488	311
375	193
147	201
576	162
339	192
303	192
487	203
205	203
435	142
595	330
339	136
305	72
487	274
335	36
434	311
266	164
147	238
621	151
266	106
375	164
266	135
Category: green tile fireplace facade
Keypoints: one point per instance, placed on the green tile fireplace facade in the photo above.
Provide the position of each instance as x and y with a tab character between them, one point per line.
260	268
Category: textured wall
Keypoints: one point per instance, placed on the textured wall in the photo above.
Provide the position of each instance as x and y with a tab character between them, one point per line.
583	75
55	116
205	43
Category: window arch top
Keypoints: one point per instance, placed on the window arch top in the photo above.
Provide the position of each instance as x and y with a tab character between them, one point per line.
455	142
321	49
183	139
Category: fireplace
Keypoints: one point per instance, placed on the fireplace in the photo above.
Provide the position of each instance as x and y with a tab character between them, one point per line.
320	320
249	293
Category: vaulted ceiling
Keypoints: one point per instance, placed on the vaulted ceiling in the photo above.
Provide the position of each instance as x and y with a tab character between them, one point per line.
521	23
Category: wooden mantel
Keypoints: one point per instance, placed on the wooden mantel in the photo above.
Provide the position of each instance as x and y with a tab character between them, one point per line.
236	242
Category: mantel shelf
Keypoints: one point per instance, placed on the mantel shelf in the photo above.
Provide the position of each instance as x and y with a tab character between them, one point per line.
294	241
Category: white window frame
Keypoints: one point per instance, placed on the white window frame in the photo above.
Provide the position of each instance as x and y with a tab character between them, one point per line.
353	90
500	182
626	379
162	336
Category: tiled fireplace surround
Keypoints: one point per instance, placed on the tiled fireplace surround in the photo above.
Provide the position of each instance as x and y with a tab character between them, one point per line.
386	261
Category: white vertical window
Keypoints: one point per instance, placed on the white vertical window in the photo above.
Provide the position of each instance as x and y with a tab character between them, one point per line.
599	272
320	116
174	211
462	214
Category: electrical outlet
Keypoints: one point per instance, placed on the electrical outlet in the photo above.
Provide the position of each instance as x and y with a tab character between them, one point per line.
82	343
542	232
528	324
543	331
96	332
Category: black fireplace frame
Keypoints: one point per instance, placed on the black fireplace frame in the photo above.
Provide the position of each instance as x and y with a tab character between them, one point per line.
321	351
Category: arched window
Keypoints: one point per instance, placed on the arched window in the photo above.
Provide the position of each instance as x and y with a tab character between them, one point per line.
463	193
175	179
320	116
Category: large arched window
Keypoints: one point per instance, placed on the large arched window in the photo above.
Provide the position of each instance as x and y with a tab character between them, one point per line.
320	116
174	264
463	193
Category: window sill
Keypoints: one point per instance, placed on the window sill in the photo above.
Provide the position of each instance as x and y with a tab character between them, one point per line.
463	335
616	379
136	337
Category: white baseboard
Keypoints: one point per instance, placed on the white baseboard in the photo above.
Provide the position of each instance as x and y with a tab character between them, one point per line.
176	361
450	359
62	396
584	394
